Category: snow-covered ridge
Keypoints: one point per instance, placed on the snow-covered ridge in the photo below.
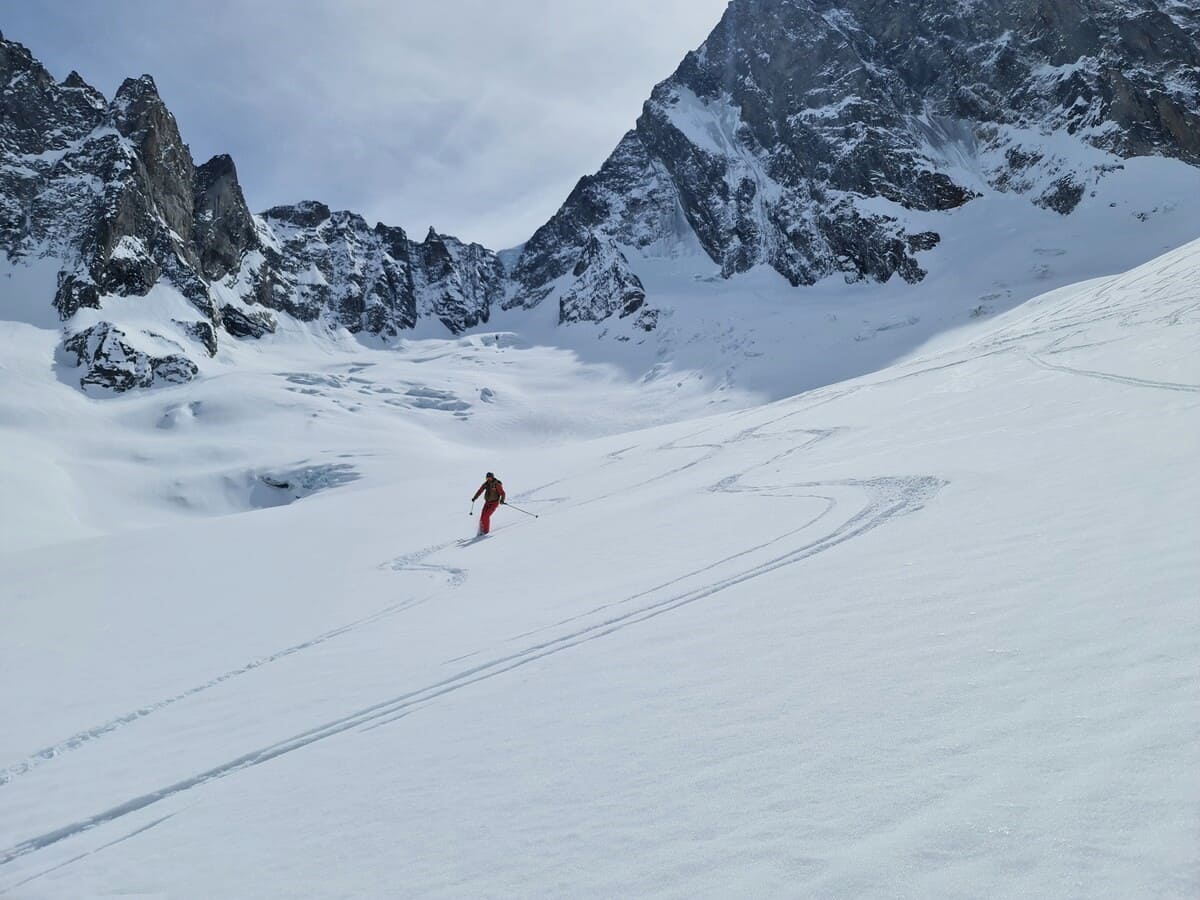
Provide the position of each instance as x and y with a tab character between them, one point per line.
110	193
828	142
767	141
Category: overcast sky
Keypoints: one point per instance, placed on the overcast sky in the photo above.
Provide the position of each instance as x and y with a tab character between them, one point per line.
475	116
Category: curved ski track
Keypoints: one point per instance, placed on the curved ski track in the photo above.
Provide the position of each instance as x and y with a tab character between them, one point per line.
883	499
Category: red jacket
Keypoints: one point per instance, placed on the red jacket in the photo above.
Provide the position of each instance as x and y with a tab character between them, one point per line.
492	490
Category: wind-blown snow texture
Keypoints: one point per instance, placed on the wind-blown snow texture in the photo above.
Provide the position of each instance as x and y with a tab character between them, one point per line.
858	398
928	632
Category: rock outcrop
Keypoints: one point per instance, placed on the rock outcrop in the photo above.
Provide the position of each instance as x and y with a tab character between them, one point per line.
604	286
113	363
319	264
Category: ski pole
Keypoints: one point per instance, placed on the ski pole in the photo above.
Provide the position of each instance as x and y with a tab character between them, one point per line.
518	509
472	512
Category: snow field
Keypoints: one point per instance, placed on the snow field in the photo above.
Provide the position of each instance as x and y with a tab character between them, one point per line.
929	632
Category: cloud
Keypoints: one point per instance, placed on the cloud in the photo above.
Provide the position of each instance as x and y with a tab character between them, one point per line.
476	117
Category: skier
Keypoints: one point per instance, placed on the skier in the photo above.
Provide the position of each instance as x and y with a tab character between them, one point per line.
493	496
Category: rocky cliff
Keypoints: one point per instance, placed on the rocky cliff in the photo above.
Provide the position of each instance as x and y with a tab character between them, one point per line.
798	136
109	191
774	142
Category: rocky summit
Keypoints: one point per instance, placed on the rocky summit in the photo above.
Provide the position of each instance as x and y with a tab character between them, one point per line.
775	142
799	136
109	193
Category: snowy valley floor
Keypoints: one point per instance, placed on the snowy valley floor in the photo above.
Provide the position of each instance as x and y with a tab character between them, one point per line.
930	632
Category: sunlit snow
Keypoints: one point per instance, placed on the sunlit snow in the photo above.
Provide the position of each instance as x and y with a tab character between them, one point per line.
930	630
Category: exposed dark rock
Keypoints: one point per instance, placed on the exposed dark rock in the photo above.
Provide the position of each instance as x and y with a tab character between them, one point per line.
305	214
74	293
333	266
129	270
247	323
924	240
164	168
375	280
202	332
37	115
647	319
223	228
765	140
185	279
113	364
111	189
796	137
1062	196
604	284
456	282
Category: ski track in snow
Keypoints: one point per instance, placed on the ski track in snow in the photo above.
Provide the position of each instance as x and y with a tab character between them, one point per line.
87	736
885	498
725	485
62	865
1121	379
415	562
410	563
1161	303
882	499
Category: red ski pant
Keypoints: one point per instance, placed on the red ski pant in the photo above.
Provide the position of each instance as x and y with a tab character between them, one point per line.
485	517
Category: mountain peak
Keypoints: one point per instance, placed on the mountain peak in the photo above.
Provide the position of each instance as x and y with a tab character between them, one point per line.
816	138
137	111
306	213
75	80
802	132
132	90
220	166
223	226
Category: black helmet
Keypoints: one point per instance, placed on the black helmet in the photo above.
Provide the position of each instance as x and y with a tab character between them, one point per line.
490	475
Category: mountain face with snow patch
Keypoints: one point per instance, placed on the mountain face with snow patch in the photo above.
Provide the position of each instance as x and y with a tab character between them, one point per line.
110	193
775	142
604	285
108	188
801	136
314	263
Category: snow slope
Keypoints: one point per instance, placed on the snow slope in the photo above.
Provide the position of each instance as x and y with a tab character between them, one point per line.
754	334
932	631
